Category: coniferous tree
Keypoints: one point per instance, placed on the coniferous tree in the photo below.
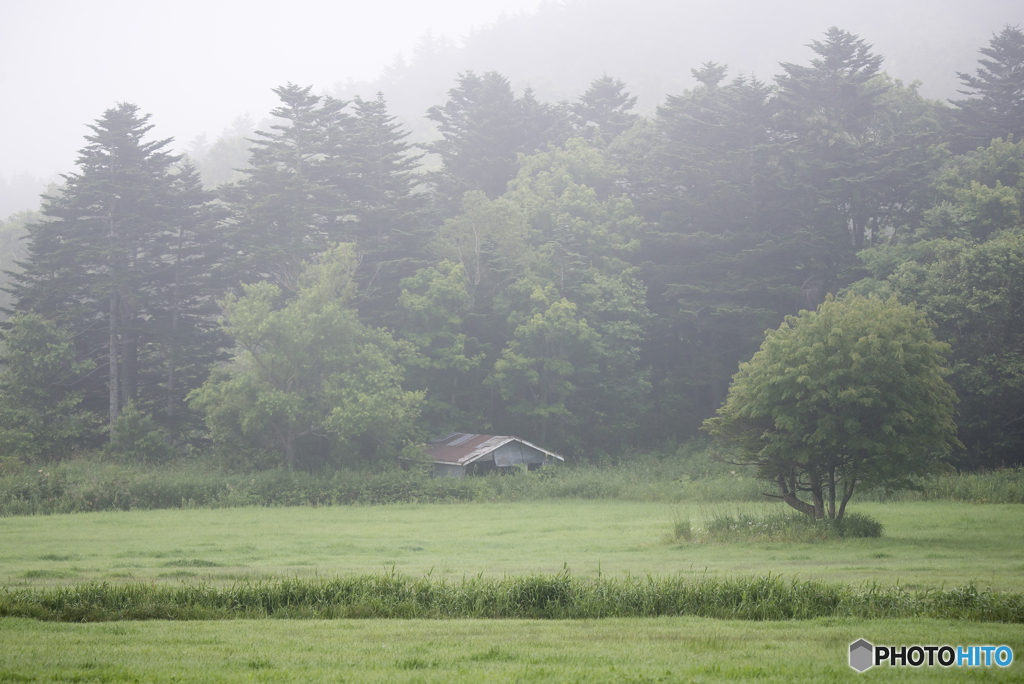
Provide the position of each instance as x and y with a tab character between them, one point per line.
292	203
826	112
481	133
994	107
92	262
390	234
185	315
721	253
124	260
603	112
483	128
543	123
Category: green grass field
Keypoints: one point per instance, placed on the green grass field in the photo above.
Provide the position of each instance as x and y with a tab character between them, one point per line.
612	650
925	544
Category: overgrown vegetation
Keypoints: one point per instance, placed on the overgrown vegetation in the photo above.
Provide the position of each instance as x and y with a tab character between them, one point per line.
782	526
558	596
89	484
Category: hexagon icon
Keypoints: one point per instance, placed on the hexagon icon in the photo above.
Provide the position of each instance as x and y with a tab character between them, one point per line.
861	655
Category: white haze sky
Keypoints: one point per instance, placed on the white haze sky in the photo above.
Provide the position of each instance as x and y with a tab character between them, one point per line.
193	65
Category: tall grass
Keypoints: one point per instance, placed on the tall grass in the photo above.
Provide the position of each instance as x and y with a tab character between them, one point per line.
558	596
686	475
89	485
785	525
1003	486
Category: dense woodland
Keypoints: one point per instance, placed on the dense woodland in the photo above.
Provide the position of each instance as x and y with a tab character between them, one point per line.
572	272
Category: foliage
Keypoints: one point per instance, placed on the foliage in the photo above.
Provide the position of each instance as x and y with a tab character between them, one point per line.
853	393
307	373
963	266
124	259
791	527
549	348
994	107
12	249
291	204
572	272
41	413
434	302
603	112
136	438
483	128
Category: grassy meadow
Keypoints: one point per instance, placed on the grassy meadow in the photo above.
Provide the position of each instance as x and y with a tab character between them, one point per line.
609	650
617	529
925	544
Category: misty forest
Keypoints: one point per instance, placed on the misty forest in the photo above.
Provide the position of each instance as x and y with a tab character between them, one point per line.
319	291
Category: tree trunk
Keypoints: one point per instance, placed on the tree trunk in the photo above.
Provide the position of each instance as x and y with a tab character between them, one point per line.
172	349
832	493
130	370
789	496
114	374
816	496
847	493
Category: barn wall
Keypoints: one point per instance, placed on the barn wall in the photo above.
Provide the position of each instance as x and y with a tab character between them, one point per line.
448	470
515	453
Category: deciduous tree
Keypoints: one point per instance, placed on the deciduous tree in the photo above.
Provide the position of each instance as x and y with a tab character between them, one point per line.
851	394
307	372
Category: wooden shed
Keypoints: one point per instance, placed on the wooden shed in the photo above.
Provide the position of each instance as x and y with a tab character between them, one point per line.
461	453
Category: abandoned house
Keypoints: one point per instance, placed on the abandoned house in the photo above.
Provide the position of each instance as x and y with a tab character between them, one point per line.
460	453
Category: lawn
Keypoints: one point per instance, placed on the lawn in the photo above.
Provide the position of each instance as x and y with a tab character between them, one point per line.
926	544
611	650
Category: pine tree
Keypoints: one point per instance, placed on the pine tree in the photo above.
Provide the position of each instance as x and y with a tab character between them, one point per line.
292	203
483	128
185	315
995	104
390	234
481	132
603	112
826	113
122	260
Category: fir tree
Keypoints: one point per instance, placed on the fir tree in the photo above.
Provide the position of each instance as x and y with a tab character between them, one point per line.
390	234
123	261
603	112
292	203
994	107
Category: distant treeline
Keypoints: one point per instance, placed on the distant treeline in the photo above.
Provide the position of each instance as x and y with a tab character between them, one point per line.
571	273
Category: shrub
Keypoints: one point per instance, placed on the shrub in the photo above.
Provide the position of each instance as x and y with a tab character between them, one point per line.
784	526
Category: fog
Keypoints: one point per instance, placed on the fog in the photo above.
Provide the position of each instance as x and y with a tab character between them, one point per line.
195	66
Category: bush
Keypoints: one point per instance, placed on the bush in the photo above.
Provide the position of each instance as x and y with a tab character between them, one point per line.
784	526
137	439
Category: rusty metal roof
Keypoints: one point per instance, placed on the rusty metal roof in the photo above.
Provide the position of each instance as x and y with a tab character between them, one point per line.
462	448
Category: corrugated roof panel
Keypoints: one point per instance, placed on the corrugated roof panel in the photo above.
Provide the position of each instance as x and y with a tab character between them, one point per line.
459	440
464	448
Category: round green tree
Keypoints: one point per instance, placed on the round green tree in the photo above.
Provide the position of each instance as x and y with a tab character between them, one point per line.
852	394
